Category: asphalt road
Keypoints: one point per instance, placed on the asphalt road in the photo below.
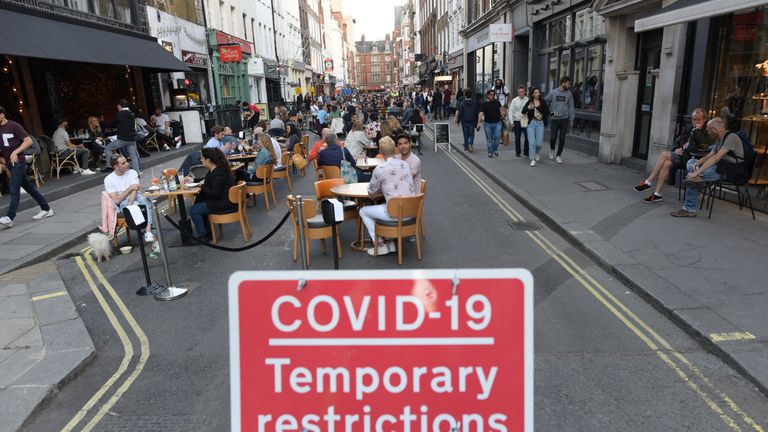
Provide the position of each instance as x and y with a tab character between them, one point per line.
604	359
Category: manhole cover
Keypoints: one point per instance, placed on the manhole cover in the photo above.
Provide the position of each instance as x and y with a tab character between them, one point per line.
592	186
525	226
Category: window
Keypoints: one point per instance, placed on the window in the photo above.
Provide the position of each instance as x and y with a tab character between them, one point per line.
245	28
375	77
374	58
124	11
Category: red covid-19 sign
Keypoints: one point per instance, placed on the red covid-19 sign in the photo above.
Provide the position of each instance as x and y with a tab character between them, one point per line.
381	351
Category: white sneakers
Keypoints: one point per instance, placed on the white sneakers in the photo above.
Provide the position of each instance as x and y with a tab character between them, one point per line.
178	141
551	154
43	214
87	172
6	221
559	159
383	250
533	163
538	157
149	237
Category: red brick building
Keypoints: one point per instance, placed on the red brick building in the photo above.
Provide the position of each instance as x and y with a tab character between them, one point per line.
374	64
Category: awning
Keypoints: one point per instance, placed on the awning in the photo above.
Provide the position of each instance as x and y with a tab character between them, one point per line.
443	78
684	11
33	36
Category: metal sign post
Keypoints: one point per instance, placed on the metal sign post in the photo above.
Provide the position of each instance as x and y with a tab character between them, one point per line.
171	292
136	219
300	218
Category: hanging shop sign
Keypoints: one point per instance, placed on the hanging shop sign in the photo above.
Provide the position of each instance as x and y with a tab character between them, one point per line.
502	32
194	59
225	39
328	65
230	54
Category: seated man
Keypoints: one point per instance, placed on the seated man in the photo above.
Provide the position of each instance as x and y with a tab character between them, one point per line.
65	147
161	123
728	147
333	153
413	161
318	145
696	141
392	178
124	188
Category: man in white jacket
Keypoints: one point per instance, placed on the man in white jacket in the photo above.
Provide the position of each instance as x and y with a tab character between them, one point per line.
515	116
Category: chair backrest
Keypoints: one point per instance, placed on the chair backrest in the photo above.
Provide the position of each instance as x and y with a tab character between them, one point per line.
285	158
198	172
423	187
330	171
405	206
297	149
264	171
237	195
50	147
309	208
323	187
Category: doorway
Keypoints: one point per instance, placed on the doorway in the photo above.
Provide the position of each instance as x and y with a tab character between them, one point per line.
649	56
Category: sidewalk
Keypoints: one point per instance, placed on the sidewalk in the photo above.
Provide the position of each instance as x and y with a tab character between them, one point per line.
709	276
43	341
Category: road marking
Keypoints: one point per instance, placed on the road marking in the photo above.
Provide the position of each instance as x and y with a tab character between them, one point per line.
143	342
622	312
48	296
124	339
722	337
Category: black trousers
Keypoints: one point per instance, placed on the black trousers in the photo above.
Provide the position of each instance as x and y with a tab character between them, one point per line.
559	129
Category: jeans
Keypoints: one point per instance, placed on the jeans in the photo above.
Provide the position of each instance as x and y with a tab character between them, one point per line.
559	129
18	180
492	136
535	136
469	134
131	147
519	130
141	200
692	194
199	214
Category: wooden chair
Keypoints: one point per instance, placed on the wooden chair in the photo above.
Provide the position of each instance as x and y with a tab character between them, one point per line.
423	191
284	171
351	210
59	161
168	174
236	196
305	145
262	172
299	151
198	172
314	228
33	168
119	226
318	171
152	141
330	171
407	214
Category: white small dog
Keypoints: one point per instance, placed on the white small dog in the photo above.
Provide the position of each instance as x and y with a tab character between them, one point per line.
101	246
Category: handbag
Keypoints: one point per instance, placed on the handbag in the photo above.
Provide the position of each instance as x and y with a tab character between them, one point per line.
505	136
348	172
524	121
299	161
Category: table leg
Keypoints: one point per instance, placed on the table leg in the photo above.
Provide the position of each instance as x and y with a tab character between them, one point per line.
184	221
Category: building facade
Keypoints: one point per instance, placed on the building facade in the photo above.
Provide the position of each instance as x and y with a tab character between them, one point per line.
373	64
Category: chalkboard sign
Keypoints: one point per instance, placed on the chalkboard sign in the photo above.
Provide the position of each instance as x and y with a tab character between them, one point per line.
442	135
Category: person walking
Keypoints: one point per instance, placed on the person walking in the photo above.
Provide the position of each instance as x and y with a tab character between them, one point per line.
560	101
466	116
447	95
15	141
518	120
538	115
125	122
437	105
502	92
490	116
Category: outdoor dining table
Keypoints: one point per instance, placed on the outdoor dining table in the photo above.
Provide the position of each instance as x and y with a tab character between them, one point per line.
371	150
241	157
184	222
368	163
358	191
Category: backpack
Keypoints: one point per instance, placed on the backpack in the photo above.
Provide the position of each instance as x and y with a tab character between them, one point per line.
741	171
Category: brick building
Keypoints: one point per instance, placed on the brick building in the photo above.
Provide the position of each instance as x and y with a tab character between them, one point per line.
374	62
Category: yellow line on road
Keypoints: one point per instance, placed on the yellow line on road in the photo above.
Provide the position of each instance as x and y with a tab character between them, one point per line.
623	313
48	296
124	339
723	337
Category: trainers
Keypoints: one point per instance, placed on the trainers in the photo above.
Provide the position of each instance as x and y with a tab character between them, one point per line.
490	155
43	214
683	213
533	163
149	237
537	158
6	221
559	159
496	153
551	154
86	172
642	186
652	198
383	250
392	246
694	182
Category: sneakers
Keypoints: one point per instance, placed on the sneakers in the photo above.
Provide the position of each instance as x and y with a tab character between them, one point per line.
642	186
551	154
382	250
537	158
652	198
149	237
559	159
6	221
496	153
471	149
490	155
178	141
533	163
694	182
392	247
87	172
683	213
43	214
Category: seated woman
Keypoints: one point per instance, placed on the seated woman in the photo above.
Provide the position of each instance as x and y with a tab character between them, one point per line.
294	136
96	139
214	193
356	140
265	154
373	128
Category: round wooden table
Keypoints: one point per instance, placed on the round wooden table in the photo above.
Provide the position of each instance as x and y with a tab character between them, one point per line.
366	164
358	191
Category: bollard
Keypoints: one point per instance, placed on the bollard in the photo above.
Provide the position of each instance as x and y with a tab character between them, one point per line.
300	217
171	292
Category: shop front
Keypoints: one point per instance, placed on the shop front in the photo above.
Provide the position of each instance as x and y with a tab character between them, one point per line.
229	61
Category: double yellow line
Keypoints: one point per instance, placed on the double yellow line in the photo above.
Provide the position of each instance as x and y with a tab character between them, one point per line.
128	348
687	372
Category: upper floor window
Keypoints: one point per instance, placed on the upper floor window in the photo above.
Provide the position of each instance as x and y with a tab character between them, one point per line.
118	10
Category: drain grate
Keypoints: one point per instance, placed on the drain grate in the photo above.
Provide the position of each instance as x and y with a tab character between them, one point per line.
525	226
592	186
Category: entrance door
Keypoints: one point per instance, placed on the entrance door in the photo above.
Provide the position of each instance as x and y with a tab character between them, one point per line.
650	60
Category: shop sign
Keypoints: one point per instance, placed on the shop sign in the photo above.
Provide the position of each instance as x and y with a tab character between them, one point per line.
502	32
328	63
229	54
297	90
401	350
193	58
167	45
223	38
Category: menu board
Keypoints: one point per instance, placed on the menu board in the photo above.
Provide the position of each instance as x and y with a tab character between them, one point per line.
442	135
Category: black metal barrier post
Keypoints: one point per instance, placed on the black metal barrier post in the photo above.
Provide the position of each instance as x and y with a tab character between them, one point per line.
331	208
171	292
139	225
300	218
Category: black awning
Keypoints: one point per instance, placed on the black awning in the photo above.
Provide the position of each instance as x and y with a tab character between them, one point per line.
32	36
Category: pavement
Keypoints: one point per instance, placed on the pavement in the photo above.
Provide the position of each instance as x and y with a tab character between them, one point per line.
43	341
707	275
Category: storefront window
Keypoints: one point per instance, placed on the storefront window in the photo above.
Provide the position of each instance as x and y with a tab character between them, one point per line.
487	68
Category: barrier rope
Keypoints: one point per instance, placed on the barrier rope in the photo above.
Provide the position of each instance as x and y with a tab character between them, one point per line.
224	248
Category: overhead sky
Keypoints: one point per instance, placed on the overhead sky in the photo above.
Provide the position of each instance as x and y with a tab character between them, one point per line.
372	18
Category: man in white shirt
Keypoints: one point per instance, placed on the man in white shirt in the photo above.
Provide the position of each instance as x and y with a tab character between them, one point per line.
65	147
124	187
162	125
413	161
515	115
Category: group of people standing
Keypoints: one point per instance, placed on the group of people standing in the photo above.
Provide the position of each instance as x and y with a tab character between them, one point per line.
527	114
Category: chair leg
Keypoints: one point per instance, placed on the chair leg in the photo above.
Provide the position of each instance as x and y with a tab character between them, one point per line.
338	242
399	249
418	248
266	198
306	249
288	176
421	224
324	247
213	233
748	201
295	244
712	199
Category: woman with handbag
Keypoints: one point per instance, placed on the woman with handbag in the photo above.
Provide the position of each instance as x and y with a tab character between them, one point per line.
518	120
